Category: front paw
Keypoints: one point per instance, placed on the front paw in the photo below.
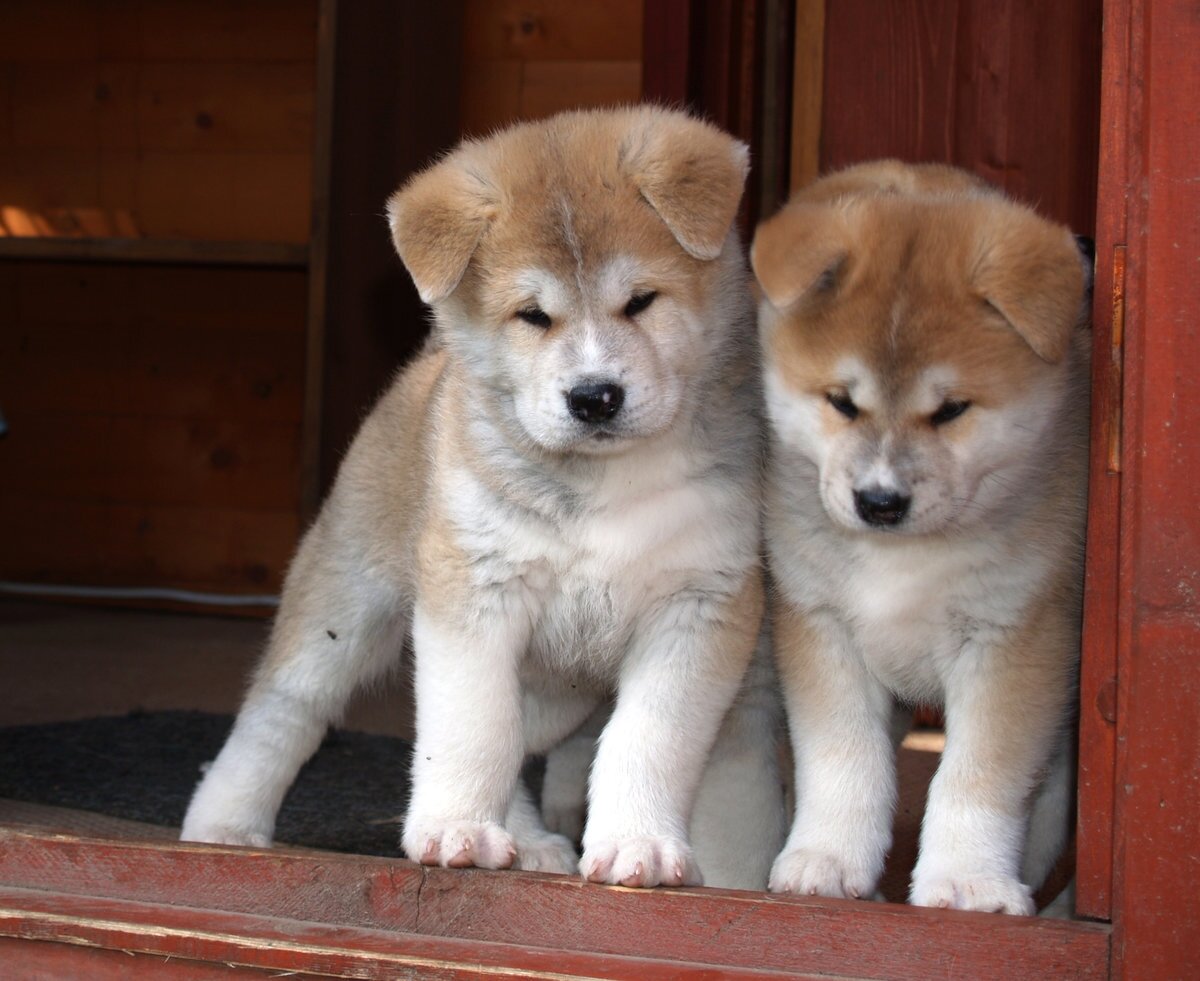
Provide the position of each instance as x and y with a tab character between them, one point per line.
973	891
459	844
547	853
216	833
645	860
812	872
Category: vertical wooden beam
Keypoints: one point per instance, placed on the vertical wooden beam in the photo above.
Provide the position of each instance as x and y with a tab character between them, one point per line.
1098	677
395	106
1156	906
808	85
318	262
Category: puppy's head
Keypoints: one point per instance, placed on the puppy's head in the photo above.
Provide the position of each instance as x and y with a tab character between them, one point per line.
579	268
916	335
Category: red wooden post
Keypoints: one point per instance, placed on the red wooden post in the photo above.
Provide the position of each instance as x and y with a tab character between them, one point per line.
1156	863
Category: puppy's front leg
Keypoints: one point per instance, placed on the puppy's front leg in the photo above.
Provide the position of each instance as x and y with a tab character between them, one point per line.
678	680
838	714
1004	716
469	740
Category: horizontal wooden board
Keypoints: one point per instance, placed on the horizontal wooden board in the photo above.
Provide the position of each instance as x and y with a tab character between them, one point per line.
217	550
802	936
226	106
253	377
183	299
555	30
184	462
552	86
491	95
41	959
179	30
156	250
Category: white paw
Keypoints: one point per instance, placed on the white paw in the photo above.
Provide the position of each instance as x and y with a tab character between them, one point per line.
547	853
646	860
216	833
810	872
984	893
459	844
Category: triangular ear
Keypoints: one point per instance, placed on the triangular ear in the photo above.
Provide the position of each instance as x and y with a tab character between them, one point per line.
1028	269
437	220
801	250
692	174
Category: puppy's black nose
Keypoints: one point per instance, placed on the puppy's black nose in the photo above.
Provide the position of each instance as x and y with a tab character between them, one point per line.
595	402
877	506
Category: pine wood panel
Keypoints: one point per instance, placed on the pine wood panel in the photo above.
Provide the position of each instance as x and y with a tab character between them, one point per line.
529	60
223	551
1007	89
552	86
553	30
195	116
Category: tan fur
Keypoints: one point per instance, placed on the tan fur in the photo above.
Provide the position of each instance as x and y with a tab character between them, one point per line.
875	277
544	561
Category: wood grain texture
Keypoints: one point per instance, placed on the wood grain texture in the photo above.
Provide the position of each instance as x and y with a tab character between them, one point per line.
1098	676
1007	89
552	30
723	929
1156	908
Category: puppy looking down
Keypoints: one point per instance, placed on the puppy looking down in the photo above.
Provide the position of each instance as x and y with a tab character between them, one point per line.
926	380
558	498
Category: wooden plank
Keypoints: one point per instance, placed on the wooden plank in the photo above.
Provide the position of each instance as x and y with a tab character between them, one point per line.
1156	909
223	551
179	299
217	106
808	69
666	51
388	120
552	86
715	927
290	946
33	30
491	95
552	30
1098	676
229	30
253	377
213	462
156	250
38	959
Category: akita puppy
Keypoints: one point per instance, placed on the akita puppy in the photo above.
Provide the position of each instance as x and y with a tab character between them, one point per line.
927	386
559	498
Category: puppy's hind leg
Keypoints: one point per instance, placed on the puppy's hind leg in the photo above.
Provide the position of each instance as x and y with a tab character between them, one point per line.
1050	816
538	849
739	821
564	788
335	630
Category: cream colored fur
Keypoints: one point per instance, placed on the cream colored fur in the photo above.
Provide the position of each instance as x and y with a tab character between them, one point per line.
896	296
542	563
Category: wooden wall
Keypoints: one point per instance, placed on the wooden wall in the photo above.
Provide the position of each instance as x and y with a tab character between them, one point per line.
154	411
194	115
1009	90
524	59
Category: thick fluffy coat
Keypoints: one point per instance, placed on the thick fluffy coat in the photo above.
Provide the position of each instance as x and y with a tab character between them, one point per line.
559	498
926	382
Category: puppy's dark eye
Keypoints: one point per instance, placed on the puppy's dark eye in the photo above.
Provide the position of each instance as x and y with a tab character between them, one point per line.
948	411
639	302
843	403
535	316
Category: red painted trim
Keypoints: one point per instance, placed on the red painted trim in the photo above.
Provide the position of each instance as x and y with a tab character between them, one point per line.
194	884
1156	906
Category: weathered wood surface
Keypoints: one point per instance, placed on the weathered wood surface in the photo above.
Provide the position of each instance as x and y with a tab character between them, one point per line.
711	927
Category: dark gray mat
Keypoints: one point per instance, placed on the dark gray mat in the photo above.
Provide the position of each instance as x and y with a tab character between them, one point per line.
144	766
